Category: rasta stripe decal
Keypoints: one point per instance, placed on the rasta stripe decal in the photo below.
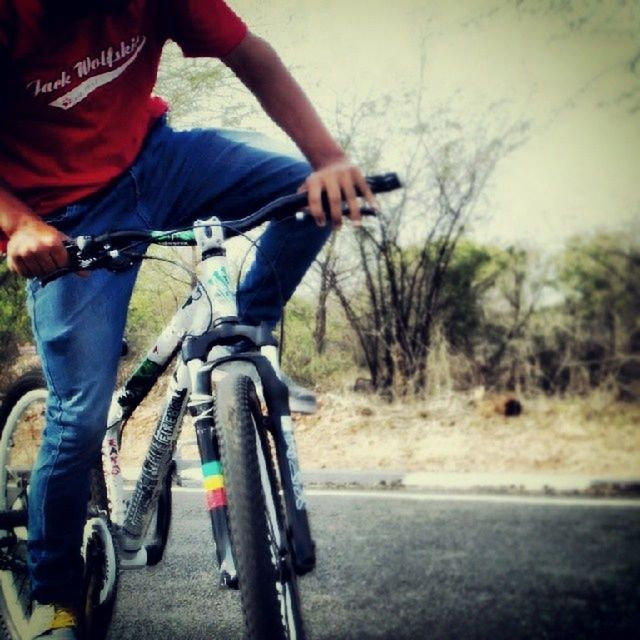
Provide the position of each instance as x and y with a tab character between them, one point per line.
213	468
216	498
213	482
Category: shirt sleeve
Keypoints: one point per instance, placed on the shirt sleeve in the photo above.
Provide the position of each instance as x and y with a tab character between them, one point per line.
4	50
4	28
7	23
205	28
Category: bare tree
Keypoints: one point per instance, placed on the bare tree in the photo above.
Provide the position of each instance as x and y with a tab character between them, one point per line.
351	121
391	281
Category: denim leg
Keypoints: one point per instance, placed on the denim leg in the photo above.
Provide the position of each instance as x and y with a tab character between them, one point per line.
287	247
78	323
230	174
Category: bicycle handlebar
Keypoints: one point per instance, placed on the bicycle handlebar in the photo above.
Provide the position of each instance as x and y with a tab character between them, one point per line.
103	251
289	205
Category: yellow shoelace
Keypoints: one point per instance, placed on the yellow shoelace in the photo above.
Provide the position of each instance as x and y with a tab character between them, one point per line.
63	618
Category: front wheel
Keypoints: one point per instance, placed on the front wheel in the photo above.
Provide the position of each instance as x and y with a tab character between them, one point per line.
268	583
22	419
21	425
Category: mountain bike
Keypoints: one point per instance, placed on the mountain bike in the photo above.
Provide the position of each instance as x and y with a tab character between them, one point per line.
227	378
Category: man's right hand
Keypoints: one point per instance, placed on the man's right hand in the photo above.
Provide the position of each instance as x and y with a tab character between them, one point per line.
35	248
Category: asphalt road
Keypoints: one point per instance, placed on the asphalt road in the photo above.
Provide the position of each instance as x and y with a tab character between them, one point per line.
398	567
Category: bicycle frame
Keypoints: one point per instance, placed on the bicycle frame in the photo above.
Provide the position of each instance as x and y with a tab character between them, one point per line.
263	476
196	333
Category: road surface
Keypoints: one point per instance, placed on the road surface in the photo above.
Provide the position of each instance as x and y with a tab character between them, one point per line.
395	566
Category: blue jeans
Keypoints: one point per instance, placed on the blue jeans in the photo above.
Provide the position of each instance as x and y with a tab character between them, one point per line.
78	322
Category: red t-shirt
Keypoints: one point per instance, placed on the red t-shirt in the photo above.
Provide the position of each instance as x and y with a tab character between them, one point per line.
76	100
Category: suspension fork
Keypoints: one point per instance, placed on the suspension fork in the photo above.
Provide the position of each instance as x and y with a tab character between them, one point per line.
280	426
201	409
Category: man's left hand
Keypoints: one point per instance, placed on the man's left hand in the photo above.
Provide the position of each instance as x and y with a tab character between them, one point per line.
341	180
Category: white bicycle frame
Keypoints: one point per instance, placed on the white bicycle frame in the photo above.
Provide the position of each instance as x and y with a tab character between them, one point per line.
212	298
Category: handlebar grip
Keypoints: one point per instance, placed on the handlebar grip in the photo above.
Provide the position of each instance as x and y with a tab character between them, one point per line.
384	182
365	210
73	263
50	277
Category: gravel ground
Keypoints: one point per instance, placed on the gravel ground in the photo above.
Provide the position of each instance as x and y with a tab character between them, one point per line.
456	434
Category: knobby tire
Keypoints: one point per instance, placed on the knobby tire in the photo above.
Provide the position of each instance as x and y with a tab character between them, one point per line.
268	585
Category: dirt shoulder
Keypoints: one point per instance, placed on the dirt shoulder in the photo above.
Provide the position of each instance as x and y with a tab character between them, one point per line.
593	436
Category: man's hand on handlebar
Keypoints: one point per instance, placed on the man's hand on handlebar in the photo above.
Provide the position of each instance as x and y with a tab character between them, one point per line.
340	179
35	248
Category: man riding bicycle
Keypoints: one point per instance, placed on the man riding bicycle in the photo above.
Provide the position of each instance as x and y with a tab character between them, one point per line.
85	148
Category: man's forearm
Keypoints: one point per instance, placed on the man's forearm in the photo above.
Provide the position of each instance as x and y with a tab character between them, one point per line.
259	67
12	211
256	63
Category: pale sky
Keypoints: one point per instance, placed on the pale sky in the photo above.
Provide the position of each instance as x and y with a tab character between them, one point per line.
579	169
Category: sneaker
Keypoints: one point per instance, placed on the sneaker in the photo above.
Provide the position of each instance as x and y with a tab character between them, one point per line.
53	622
301	400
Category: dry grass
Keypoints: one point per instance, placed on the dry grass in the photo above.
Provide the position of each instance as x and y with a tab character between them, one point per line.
453	433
